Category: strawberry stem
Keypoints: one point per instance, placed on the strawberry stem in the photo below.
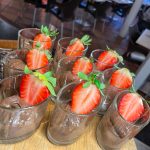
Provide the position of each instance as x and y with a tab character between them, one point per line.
45	30
86	40
91	79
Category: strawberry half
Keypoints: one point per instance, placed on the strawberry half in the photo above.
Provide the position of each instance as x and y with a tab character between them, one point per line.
107	59
121	78
84	100
77	46
32	90
36	59
82	64
44	38
131	107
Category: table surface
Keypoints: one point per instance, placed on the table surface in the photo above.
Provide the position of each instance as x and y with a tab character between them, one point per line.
38	141
144	39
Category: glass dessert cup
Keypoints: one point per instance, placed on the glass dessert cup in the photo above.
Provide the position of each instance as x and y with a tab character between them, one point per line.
18	120
14	63
62	45
65	127
113	130
94	56
109	92
64	73
26	37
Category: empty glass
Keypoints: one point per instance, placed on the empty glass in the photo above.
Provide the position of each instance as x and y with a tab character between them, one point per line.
113	130
14	63
26	37
18	120
65	126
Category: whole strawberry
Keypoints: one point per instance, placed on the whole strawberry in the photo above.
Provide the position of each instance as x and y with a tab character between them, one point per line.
44	38
77	46
86	96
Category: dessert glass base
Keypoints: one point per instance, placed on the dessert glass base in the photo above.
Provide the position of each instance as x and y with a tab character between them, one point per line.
18	120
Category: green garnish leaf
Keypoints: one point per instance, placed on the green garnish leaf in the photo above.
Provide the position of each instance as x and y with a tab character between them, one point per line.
99	85
49	56
38	44
27	70
49	86
86	84
48	74
83	76
52	80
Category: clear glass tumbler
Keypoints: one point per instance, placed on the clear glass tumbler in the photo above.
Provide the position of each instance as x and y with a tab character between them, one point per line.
113	130
26	37
94	56
62	45
65	127
64	71
14	63
18	120
109	92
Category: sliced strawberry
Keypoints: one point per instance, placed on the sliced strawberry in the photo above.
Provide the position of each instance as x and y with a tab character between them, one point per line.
77	46
107	59
44	38
121	78
46	41
131	107
32	90
84	100
82	64
36	59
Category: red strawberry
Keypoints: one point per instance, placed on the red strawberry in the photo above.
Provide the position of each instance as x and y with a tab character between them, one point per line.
44	38
36	59
121	78
107	59
131	107
32	90
76	46
82	64
84	100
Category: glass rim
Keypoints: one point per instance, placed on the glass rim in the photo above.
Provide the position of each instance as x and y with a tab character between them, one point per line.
24	108
64	48
58	102
53	38
100	50
130	123
19	50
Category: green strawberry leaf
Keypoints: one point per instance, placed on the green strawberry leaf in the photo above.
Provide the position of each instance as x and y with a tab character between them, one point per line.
86	84
132	89
116	66
50	87
38	45
52	80
27	70
48	74
83	76
49	56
